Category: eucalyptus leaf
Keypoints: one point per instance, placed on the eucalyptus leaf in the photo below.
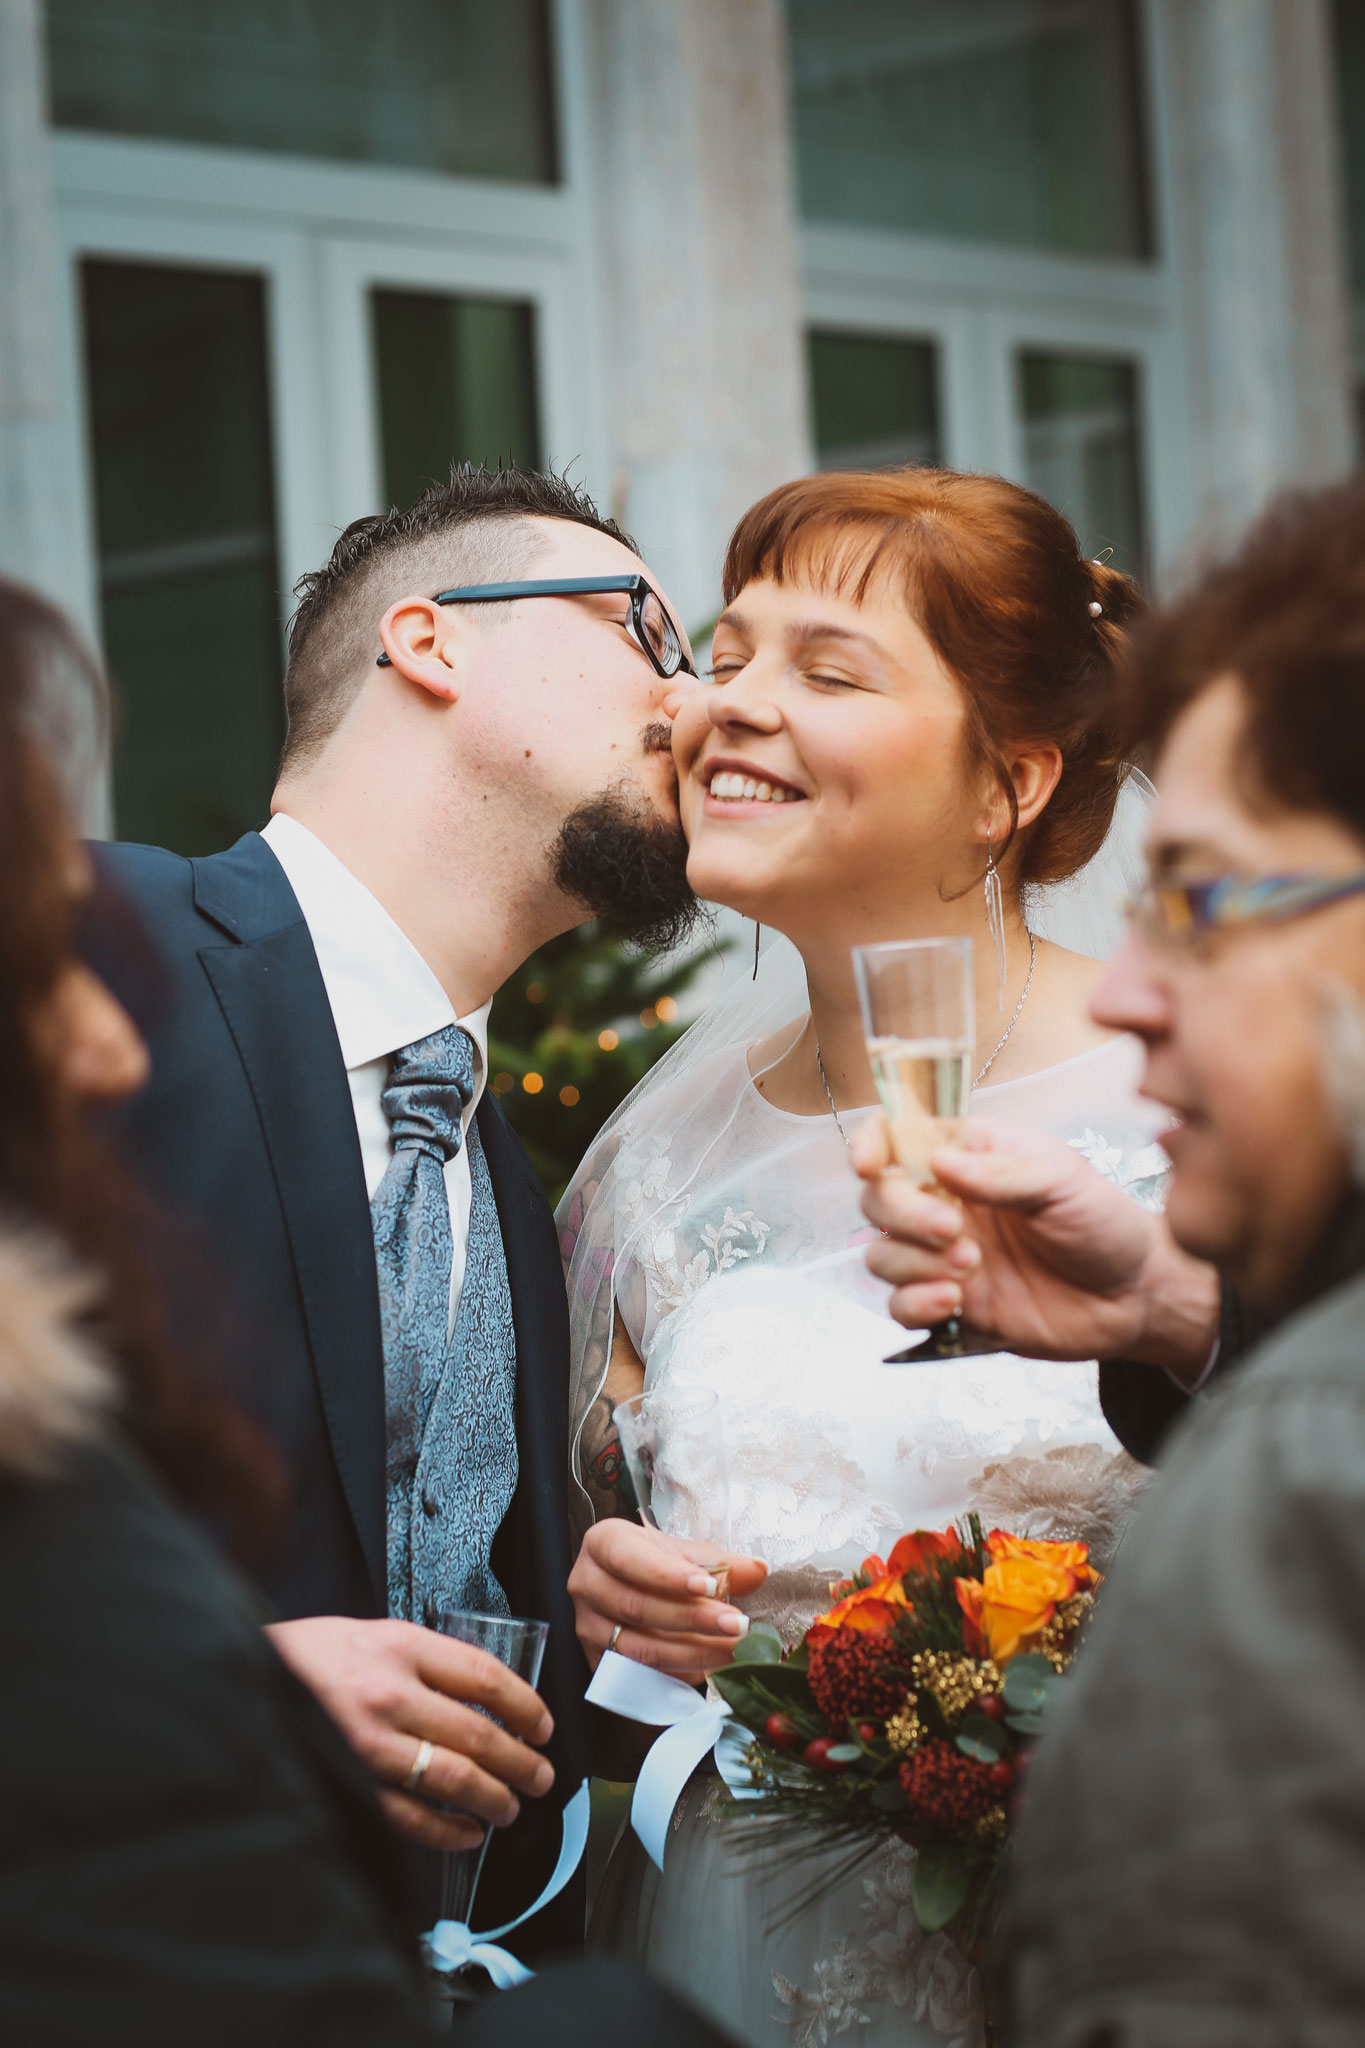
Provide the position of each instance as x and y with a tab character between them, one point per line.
985	1740
939	1887
845	1753
1028	1683
1026	1724
762	1645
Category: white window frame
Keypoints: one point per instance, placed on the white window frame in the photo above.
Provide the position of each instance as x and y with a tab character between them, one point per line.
322	234
980	303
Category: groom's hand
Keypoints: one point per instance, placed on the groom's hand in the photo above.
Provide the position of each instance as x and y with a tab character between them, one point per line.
391	1686
663	1595
1039	1251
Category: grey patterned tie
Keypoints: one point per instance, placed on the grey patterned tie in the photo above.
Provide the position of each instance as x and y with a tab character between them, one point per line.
449	1395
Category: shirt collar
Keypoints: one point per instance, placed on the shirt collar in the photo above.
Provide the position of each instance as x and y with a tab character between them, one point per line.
382	993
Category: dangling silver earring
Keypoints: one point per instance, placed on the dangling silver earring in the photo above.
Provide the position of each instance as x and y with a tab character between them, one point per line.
995	921
758	933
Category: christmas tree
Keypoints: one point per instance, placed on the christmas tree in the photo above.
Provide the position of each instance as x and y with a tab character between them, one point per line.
572	1033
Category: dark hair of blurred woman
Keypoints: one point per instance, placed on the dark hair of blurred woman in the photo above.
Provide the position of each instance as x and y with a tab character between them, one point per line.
64	1042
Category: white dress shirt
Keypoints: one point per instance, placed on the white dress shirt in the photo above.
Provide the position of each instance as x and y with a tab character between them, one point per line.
383	997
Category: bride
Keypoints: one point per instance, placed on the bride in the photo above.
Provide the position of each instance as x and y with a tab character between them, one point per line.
913	700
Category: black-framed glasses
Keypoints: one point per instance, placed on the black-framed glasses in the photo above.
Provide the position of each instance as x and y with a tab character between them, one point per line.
1181	913
650	624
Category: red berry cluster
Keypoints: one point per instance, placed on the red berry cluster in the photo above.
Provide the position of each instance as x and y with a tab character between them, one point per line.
854	1672
945	1790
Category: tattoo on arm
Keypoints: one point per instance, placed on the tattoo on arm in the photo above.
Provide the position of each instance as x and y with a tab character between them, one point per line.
603	1461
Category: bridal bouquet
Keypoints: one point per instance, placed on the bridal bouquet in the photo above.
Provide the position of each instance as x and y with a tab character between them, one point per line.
909	1709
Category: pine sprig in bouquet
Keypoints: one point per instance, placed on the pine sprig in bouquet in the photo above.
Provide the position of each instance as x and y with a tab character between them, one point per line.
909	1709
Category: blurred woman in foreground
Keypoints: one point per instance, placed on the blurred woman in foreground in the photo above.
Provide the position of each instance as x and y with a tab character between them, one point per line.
188	1848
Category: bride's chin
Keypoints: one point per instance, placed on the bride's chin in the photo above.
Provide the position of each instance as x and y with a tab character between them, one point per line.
718	882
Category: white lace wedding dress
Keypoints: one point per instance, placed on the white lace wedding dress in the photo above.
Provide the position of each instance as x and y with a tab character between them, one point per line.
728	1237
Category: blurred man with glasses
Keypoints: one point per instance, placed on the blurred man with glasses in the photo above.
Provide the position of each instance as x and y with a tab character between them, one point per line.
1191	1861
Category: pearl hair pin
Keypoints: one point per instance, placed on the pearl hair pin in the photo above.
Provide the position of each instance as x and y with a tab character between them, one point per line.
1095	608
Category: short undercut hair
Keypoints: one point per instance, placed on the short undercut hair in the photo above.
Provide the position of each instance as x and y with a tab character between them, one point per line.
474	529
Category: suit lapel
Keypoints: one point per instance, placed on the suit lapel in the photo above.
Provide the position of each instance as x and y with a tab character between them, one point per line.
270	989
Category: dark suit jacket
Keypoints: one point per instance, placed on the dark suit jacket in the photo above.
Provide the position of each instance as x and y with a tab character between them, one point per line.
247	1129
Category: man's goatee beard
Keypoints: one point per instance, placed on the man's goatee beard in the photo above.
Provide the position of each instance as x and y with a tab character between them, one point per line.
628	866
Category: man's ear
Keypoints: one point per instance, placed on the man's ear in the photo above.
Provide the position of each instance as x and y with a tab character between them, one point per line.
419	640
1035	773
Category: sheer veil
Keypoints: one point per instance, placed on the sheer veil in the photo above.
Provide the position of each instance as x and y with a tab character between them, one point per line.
663	1200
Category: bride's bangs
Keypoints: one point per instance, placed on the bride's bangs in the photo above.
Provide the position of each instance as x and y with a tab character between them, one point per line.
836	532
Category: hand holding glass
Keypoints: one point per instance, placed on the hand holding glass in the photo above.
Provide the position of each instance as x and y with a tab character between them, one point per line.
920	1026
521	1646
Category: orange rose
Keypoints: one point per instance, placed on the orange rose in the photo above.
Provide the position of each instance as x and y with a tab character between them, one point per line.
1019	1594
870	1609
913	1552
1074	1557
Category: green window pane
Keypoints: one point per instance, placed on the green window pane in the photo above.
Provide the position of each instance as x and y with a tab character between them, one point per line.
874	400
1015	121
1350	70
457	383
184	495
458	86
1082	449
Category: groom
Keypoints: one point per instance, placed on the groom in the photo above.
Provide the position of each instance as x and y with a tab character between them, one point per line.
462	780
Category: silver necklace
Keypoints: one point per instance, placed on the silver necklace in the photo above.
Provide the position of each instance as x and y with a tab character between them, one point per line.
1032	963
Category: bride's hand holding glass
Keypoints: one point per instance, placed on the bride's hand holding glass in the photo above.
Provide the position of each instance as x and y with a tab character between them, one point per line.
655	1598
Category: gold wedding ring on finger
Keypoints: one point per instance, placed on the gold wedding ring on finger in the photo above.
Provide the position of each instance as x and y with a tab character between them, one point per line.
420	1765
616	1635
721	1574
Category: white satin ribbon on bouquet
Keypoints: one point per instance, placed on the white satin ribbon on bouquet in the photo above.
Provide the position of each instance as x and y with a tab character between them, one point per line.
452	1943
692	1724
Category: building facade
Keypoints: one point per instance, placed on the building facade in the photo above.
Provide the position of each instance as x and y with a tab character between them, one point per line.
268	265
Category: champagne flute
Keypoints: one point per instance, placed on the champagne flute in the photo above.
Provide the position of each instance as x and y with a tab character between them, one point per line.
919	1023
520	1644
673	1441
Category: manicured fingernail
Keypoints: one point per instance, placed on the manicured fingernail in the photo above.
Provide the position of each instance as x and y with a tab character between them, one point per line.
965	1256
703	1585
731	1622
948	1303
944	1223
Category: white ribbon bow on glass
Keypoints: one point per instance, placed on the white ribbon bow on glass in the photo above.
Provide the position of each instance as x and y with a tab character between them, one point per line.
692	1724
452	1943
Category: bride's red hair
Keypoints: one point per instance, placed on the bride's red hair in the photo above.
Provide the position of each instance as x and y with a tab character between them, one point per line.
995	578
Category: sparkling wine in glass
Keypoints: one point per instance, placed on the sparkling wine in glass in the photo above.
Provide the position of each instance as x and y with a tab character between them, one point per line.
920	1027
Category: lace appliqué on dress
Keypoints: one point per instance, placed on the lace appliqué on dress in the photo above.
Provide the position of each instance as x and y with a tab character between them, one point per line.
674	1267
790	1600
1075	1493
924	1975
